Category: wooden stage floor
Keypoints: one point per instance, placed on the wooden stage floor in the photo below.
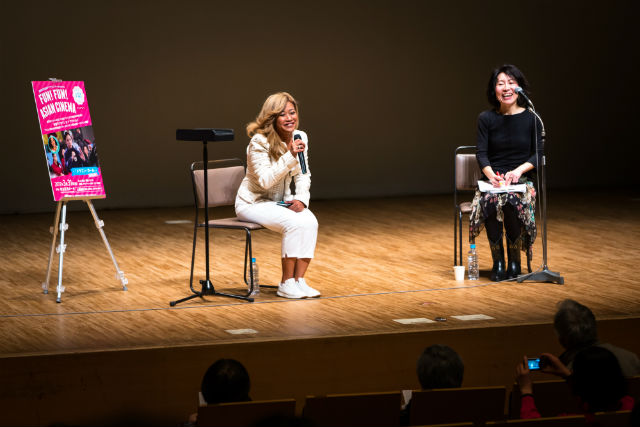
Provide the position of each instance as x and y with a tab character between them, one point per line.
377	261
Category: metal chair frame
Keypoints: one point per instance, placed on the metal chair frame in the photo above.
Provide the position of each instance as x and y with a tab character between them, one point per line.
457	211
248	250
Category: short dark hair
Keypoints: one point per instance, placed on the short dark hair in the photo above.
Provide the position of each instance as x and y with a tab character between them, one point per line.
226	380
575	325
513	72
597	379
440	366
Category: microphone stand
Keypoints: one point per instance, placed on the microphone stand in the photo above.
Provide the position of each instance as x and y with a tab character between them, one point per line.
543	274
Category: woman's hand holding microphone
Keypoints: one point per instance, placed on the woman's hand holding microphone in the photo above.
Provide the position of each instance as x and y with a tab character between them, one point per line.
296	146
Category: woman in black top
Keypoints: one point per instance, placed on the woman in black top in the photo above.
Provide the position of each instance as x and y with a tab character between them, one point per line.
506	153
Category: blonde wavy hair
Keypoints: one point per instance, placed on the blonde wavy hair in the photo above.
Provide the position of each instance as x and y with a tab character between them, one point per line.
265	122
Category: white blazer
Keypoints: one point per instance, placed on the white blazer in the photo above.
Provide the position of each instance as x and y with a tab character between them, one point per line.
269	180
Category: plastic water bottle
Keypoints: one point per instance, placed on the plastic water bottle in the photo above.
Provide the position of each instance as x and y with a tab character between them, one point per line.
472	263
256	277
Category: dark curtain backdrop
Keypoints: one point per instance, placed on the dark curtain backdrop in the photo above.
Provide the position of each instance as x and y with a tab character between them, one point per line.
387	89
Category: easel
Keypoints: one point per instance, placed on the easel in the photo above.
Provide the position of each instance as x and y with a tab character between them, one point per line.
60	223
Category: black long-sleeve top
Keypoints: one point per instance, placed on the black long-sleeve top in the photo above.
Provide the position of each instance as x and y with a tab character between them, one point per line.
506	141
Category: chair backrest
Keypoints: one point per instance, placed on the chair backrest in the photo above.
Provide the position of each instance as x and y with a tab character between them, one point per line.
225	177
552	398
467	171
242	414
634	387
366	409
568	421
612	419
478	404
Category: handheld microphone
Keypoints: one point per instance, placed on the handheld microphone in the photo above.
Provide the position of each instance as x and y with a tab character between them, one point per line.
303	164
521	93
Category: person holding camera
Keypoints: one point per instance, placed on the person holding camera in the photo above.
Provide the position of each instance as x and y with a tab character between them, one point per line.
596	380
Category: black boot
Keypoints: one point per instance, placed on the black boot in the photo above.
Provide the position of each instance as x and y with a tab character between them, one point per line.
513	255
497	253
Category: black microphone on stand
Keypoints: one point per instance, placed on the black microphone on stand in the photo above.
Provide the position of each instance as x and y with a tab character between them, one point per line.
303	164
521	93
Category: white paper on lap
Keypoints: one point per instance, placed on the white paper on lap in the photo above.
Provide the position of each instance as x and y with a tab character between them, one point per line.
486	187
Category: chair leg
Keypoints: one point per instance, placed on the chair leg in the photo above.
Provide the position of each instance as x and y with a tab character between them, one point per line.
207	287
248	253
455	237
460	234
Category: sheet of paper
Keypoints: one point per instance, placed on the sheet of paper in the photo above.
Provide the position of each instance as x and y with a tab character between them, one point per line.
473	317
241	331
413	321
486	187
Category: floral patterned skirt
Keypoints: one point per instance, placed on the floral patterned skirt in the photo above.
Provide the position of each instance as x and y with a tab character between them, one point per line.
524	204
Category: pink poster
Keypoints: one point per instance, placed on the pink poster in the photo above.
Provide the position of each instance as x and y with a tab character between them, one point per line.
68	140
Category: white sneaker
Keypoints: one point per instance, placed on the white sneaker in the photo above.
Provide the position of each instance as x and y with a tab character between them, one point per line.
308	290
290	289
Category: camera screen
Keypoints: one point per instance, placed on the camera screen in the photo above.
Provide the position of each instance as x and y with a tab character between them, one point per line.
534	364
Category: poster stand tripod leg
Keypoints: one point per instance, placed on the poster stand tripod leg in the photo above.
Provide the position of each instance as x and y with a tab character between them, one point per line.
54	231
60	223
99	224
61	249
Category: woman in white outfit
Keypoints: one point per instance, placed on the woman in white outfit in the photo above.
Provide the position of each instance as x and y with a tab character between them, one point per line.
265	195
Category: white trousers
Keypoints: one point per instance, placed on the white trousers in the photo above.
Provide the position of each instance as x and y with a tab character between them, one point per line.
299	229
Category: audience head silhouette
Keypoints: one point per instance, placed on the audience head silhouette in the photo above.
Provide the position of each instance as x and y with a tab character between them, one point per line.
440	366
597	379
226	380
575	325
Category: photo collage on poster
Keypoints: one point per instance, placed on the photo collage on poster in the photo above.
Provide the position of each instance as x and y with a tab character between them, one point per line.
71	152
